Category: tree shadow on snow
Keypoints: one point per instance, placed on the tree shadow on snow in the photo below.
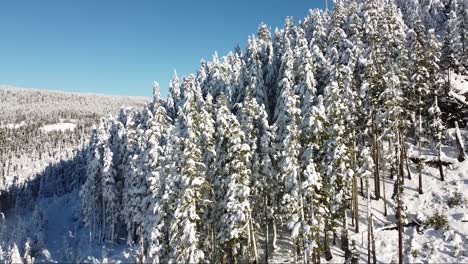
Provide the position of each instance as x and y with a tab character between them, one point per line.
56	180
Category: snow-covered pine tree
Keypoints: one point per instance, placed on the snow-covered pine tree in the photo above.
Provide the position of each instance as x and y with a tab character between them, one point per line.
304	70
132	194
312	139
173	99
232	189
207	145
110	201
318	47
336	161
190	183
462	16
249	113
92	206
252	75
158	134
419	78
268	181
288	119
366	164
451	48
438	129
14	255
266	53
373	84
288	145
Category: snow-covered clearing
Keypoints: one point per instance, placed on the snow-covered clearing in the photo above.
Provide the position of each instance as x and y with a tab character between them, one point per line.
58	127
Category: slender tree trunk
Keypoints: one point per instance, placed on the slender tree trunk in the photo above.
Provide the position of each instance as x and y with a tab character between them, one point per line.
375	155
384	198
249	243
396	164
303	245
317	249
441	168
408	171
303	222
362	186
103	225
420	164
460	144
403	157
400	222
328	254
377	168
368	222
267	235
344	237
355	204
402	153
112	229
274	234
254	241
213	248
374	256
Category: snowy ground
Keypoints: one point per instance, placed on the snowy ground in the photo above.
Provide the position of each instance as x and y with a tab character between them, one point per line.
427	246
459	83
58	127
430	245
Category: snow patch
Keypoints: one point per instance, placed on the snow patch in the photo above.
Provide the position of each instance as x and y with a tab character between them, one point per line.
459	83
58	127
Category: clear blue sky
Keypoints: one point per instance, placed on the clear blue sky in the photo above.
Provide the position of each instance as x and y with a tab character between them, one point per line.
120	47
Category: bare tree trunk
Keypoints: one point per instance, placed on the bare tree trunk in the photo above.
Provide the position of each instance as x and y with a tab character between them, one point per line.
402	153
374	256
384	199
274	234
362	186
103	224
408	171
328	254
267	235
420	164
368	222
375	155
303	222
355	204
460	144
249	244
400	222
213	248
377	168
441	168
317	249
344	237
253	240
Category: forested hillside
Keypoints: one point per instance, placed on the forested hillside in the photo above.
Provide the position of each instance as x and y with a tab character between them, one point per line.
39	129
337	139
